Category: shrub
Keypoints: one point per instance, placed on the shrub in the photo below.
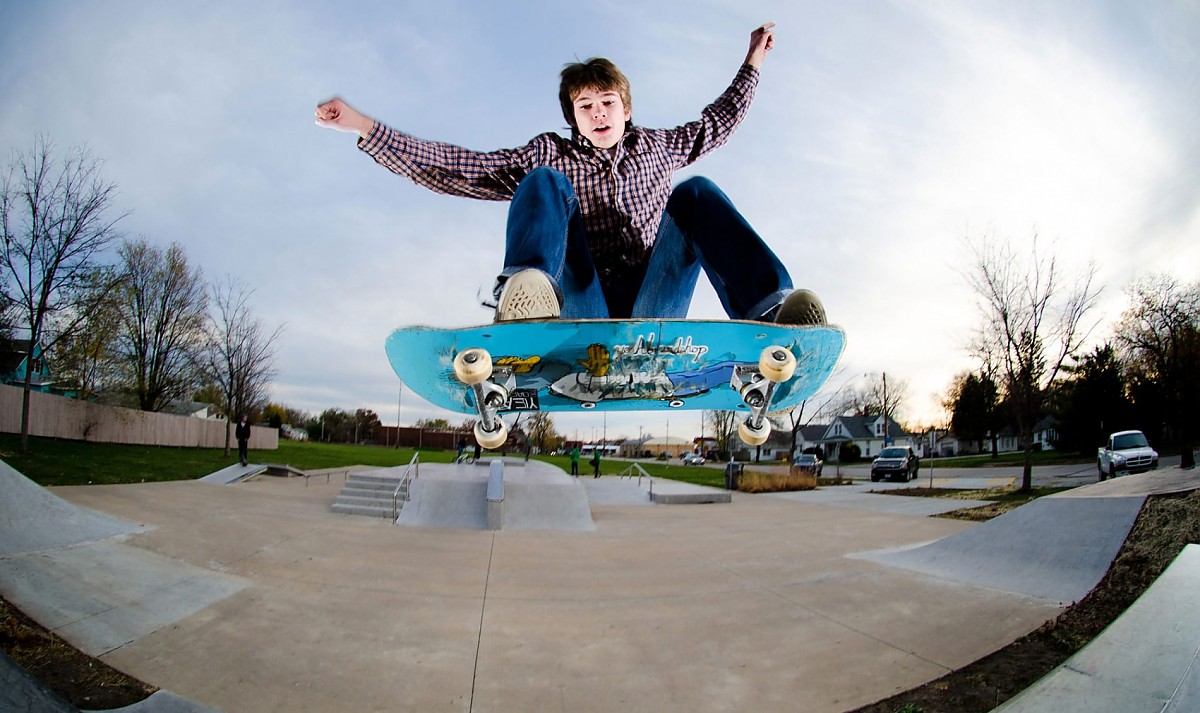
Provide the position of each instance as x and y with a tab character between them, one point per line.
754	481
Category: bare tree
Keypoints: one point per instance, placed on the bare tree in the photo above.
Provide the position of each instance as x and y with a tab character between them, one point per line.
240	356
541	430
1030	324
163	314
724	425
54	214
884	398
85	360
824	404
1160	337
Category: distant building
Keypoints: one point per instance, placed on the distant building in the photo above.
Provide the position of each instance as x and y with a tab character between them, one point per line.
290	432
867	432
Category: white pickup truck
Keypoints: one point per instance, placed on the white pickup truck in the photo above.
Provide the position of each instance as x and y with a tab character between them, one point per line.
1126	452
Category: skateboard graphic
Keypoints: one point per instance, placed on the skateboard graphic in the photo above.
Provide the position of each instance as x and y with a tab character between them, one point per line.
609	364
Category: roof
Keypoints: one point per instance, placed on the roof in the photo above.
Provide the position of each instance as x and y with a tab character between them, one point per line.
13	354
668	441
863	427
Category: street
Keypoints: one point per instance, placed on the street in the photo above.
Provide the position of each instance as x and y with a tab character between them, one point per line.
1056	476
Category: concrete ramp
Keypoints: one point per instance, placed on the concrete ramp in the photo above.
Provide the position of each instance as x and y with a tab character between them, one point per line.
536	496
33	518
1055	548
547	506
447	496
1146	660
60	564
234	473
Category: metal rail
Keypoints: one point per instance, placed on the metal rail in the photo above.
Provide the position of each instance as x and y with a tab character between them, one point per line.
410	472
640	473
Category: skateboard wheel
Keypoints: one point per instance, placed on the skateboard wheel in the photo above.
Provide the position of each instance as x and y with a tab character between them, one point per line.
752	436
491	439
473	366
777	363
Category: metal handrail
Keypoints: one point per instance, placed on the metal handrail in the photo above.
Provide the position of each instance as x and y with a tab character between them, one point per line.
412	470
641	473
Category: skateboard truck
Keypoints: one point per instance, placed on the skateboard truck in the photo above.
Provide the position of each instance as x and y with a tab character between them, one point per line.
776	364
473	367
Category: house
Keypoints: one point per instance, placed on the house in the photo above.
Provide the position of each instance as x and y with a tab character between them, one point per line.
1006	442
195	409
293	433
13	361
1045	434
811	437
778	447
867	432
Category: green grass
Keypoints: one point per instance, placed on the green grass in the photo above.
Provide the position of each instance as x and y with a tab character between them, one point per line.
1010	459
59	462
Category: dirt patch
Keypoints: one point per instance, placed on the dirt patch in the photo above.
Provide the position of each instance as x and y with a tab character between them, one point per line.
77	678
1165	525
1002	500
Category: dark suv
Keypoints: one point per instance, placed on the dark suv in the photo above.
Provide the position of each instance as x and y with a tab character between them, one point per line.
895	463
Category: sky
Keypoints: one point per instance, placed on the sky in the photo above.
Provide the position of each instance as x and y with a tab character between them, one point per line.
883	137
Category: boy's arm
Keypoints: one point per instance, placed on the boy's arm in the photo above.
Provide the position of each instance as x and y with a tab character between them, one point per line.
440	167
720	119
762	41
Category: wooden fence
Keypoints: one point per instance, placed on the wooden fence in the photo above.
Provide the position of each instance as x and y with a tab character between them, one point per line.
58	417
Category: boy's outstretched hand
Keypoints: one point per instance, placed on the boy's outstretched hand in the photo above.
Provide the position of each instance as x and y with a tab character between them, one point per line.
762	41
337	114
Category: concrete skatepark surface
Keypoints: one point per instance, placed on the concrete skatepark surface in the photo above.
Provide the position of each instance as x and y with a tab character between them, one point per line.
754	605
1146	660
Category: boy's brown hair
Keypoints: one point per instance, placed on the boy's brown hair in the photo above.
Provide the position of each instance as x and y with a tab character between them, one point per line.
596	73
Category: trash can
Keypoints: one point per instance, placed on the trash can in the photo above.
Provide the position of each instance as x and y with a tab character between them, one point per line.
733	474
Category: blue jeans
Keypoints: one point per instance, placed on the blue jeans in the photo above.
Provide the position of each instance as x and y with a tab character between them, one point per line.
700	229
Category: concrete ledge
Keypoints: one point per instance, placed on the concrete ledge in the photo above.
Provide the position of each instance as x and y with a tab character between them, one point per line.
495	496
715	496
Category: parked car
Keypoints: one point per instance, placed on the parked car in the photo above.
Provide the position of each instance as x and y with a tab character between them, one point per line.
809	463
1125	452
693	459
895	463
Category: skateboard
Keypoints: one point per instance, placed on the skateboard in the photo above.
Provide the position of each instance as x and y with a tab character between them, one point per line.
609	364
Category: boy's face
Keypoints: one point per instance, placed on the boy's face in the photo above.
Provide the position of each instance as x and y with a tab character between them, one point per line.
600	116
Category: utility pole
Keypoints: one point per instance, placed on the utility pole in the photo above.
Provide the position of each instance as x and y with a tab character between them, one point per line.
886	435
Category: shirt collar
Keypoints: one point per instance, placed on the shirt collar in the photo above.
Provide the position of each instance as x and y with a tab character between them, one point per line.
630	140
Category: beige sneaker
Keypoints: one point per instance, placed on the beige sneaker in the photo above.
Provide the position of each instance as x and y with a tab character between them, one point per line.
801	307
529	294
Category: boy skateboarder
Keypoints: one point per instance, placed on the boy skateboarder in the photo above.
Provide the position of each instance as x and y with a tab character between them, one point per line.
595	229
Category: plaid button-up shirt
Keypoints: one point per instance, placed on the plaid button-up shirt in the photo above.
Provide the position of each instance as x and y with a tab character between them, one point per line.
622	197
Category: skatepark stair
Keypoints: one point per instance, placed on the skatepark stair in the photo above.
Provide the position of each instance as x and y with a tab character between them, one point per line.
371	492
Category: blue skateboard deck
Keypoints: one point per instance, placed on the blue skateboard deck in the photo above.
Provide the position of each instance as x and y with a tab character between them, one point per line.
619	365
